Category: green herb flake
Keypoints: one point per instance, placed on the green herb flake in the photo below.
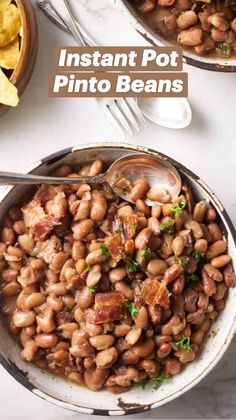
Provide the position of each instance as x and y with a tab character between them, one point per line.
133	266
178	260
120	229
92	289
156	381
184	343
131	308
104	250
224	47
168	226
88	267
177	209
134	226
158	251
197	255
192	278
147	252
68	308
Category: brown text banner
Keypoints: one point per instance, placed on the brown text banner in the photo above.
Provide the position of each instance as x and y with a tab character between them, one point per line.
118	84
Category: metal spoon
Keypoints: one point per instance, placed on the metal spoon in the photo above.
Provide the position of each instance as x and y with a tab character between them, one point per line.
156	170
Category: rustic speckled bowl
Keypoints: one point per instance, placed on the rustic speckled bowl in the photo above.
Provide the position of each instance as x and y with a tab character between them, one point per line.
204	62
73	397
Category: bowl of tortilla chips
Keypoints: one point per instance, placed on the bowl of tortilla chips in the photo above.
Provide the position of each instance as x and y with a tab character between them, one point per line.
18	49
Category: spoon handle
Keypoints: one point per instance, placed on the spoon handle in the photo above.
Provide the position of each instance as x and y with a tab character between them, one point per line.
11	178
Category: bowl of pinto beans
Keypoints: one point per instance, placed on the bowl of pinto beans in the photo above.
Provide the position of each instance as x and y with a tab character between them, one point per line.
205	29
107	307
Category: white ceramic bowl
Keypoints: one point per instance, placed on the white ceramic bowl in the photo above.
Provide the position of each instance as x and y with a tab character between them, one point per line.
73	397
207	62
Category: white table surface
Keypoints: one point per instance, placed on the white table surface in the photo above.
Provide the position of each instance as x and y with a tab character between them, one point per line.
41	125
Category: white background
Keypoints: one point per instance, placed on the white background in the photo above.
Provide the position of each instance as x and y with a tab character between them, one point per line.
41	125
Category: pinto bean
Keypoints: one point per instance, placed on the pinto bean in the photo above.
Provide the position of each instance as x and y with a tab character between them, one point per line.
117	274
143	207
199	211
216	234
23	319
201	245
85	298
45	321
142	239
209	286
195	227
172	366
221	289
178	245
190	37
94	276
216	249
106	358
144	349
102	342
221	261
78	250
29	351
157	267
82	229
229	276
187	19
212	272
96	257
172	273
95	379
156	211
121	286
163	351
173	326
46	341
139	189
185	356
34	299
141	321
26	242
155	194
165	3
206	46
191	298
99	206
218	22
121	330
178	285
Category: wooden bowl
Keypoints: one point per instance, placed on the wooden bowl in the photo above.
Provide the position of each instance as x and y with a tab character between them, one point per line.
28	49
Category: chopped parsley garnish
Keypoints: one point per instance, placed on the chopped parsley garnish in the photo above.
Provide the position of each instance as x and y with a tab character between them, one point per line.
177	209
224	47
120	229
104	250
133	266
168	226
178	260
158	251
92	289
197	255
192	278
146	252
134	226
68	308
156	381
131	308
184	343
88	267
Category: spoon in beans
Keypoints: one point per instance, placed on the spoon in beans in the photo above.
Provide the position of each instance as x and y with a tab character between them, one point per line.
151	178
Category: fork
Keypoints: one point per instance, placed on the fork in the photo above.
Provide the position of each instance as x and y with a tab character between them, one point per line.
123	113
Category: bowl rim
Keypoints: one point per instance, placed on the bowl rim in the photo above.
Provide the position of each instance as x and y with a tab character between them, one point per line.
151	37
22	377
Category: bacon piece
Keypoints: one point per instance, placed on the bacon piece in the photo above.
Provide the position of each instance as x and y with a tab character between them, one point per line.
128	225
48	249
154	293
108	307
109	299
116	248
106	314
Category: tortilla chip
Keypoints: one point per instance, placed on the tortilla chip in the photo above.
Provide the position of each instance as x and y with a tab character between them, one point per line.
8	92
4	3
9	55
10	24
